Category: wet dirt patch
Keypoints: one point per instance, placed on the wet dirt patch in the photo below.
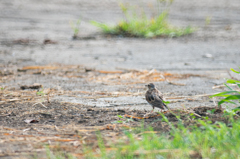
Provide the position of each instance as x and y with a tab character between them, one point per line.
66	126
57	114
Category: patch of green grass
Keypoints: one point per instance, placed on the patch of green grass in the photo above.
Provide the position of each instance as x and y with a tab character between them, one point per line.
232	96
75	28
124	120
139	25
58	155
40	92
202	140
208	20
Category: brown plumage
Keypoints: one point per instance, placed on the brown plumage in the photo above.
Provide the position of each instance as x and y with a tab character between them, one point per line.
154	97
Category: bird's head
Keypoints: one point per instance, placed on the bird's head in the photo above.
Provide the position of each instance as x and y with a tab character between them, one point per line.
150	86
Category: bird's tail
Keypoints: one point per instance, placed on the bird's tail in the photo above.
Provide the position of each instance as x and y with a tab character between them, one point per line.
165	105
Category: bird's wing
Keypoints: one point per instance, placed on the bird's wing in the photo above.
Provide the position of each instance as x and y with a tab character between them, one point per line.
155	98
158	97
149	97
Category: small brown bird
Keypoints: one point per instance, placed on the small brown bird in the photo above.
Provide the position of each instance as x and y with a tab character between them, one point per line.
154	97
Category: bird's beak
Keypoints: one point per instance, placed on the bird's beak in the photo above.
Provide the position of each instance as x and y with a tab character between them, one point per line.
146	85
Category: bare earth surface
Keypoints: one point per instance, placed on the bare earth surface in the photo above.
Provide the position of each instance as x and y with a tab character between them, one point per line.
91	80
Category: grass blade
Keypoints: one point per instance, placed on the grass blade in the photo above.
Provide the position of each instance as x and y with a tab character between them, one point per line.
234	70
231	97
228	87
223	93
231	81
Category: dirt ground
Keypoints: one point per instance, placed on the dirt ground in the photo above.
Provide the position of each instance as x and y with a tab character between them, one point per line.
27	128
36	115
69	89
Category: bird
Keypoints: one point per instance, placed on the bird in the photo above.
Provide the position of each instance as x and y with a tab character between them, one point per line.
154	97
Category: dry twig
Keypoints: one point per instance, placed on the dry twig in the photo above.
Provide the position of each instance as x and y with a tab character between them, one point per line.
40	104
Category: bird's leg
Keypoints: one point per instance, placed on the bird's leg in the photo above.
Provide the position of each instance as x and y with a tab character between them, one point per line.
152	110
